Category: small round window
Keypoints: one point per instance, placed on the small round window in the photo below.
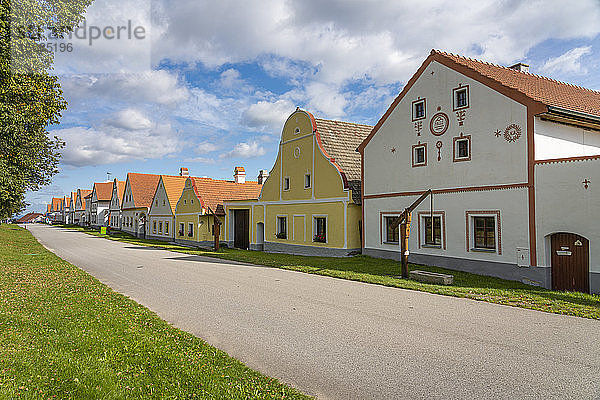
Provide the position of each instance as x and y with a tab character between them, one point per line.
296	131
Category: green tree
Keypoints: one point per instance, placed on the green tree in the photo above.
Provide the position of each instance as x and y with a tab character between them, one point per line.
31	99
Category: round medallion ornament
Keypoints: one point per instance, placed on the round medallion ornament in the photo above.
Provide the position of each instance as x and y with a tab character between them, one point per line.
297	152
512	133
439	124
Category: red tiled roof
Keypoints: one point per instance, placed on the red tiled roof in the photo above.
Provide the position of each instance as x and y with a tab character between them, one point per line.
103	190
239	169
28	217
213	192
48	208
67	201
539	88
142	187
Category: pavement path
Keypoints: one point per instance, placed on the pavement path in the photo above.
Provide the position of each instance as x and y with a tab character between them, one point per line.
337	339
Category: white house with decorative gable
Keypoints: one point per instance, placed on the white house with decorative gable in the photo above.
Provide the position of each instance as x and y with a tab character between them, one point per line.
162	210
513	160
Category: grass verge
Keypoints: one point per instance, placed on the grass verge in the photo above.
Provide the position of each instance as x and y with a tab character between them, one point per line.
63	334
381	271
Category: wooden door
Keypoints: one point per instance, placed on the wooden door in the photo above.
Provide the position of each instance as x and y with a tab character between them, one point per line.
570	262
241	229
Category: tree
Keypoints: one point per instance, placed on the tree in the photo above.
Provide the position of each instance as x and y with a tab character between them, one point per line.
31	99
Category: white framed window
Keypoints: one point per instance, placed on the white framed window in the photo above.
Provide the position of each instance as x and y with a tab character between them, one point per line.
281	227
154	226
181	229
391	234
190	229
460	97
419	109
419	155
166	227
307	181
160	226
484	231
320	228
462	148
286	183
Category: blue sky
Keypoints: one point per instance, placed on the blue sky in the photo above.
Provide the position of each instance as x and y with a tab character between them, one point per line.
211	84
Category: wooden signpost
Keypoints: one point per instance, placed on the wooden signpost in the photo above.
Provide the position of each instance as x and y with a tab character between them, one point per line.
404	221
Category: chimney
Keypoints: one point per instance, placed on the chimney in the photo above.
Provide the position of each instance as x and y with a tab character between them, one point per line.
239	175
520	67
262	176
183	172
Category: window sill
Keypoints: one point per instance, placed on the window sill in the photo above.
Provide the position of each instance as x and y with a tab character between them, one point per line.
432	246
477	250
394	243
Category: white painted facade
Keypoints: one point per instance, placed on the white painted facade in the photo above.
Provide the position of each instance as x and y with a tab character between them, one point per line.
99	211
133	219
493	182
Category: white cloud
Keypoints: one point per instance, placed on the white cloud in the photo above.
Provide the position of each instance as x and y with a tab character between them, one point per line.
231	78
130	119
268	115
202	160
569	62
206	147
107	145
245	150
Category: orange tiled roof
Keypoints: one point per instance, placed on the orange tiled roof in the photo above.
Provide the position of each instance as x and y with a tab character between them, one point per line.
103	190
213	192
83	193
48	208
67	201
56	203
28	217
143	187
173	187
539	88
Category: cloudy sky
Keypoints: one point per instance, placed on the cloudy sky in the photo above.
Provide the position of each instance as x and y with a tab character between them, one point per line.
211	82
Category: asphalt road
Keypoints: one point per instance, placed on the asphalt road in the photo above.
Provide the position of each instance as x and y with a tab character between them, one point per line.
338	339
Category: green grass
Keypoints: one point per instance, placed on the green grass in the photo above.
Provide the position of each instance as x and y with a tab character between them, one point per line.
63	334
383	272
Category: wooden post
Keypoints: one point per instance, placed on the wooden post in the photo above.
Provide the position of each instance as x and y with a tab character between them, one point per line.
217	229
404	236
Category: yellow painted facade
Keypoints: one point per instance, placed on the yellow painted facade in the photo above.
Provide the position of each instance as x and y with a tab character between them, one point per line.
302	185
190	215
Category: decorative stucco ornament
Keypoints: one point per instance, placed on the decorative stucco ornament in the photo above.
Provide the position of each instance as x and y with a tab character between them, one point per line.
512	133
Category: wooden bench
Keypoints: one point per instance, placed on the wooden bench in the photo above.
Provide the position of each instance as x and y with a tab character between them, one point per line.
431	277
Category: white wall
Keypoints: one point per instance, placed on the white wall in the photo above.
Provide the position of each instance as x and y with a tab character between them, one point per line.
511	203
160	211
554	140
494	160
564	205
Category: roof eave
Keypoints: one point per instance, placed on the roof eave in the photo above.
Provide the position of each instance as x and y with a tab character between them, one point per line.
571	117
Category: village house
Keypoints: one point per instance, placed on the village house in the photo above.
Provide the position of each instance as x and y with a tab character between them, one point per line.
31	218
164	201
513	160
73	198
100	203
88	208
66	208
137	198
114	218
56	210
80	206
310	202
202	199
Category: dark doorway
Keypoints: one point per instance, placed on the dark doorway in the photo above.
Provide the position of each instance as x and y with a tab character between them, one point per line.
241	229
570	262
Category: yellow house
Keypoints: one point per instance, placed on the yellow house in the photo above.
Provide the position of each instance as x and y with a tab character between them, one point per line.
200	199
311	200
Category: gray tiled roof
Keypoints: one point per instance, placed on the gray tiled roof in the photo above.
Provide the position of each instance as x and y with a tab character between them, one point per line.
340	140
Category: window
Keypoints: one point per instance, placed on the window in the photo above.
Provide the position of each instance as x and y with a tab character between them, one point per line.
306	181
433	235
160	227
391	234
190	229
166	227
462	148
184	201
320	230
296	131
286	183
484	231
419	155
181	228
192	200
460	97
156	202
281	227
418	109
163	203
154	226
